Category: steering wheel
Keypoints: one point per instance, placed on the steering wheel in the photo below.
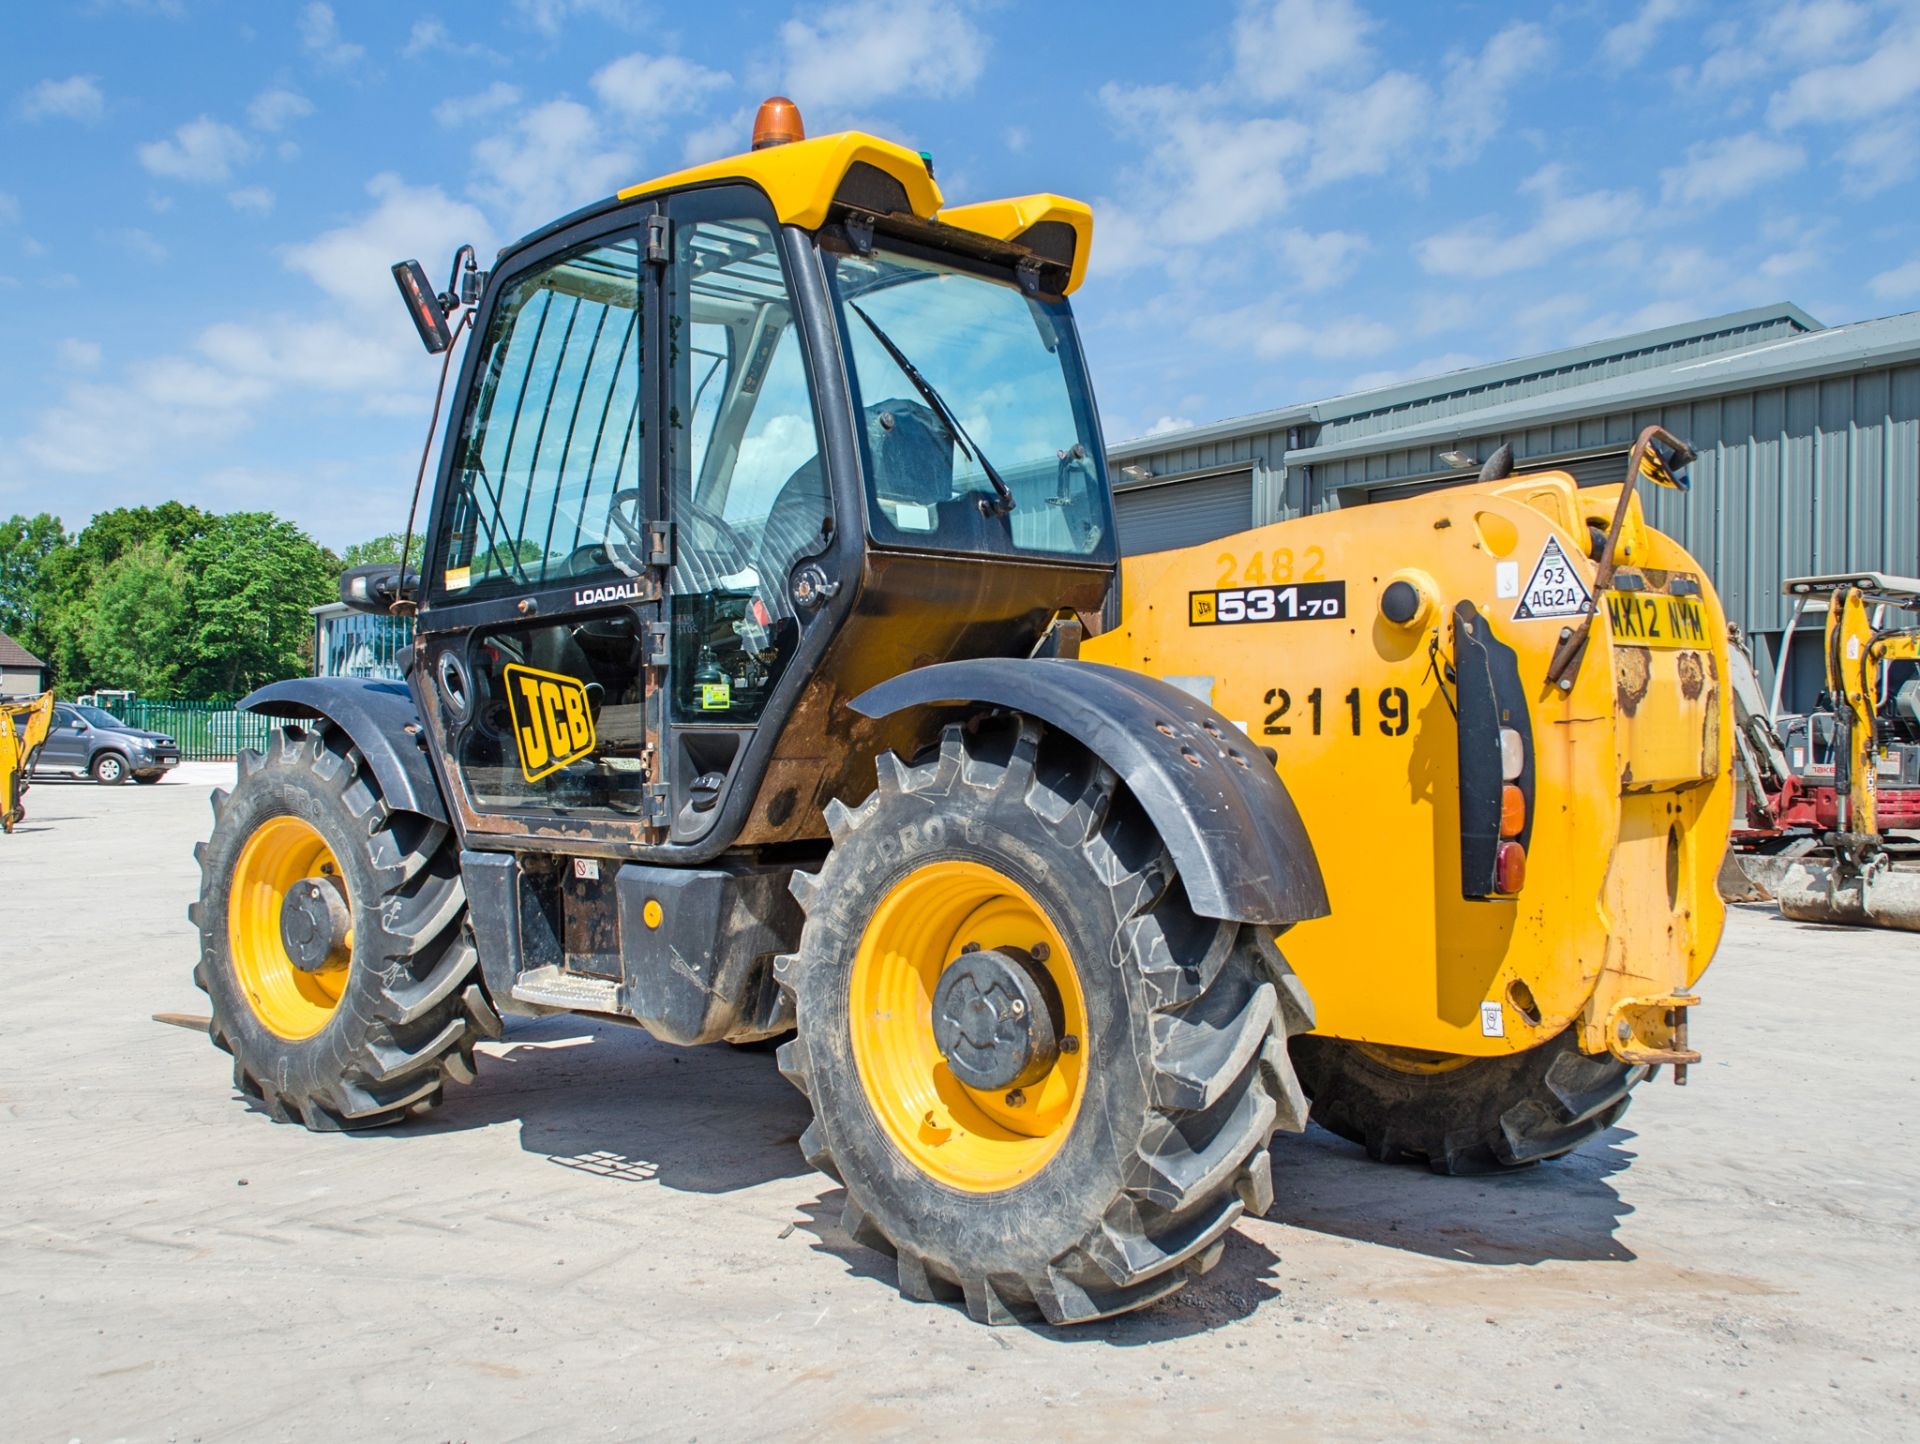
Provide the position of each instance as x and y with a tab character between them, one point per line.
636	539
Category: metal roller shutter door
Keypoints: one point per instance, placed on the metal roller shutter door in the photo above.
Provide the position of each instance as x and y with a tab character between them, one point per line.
1183	513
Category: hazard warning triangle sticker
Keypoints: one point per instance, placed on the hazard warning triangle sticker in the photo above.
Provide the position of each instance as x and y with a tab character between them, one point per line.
1555	589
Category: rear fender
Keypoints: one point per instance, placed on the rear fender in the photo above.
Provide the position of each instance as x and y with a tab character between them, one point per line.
1222	811
381	719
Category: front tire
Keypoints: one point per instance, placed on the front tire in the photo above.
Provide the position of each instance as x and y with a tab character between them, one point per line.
1108	1182
1464	1115
109	769
383	1008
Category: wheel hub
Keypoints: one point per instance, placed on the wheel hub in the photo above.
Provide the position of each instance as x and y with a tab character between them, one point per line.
314	923
996	1019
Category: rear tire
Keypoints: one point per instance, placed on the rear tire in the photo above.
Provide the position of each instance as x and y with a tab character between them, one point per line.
1479	1115
369	1041
1162	1117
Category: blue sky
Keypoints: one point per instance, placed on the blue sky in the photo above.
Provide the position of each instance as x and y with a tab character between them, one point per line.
199	199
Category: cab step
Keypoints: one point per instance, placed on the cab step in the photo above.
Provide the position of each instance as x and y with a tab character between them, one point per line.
577	992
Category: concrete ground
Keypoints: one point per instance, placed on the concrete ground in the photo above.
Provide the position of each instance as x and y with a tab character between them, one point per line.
610	1238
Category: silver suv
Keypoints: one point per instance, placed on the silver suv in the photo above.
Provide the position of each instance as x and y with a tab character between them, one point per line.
94	741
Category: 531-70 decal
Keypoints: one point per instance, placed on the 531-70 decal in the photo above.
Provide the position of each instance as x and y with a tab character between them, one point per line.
1296	602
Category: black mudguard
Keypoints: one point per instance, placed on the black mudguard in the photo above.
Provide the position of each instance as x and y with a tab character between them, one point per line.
383	722
1222	810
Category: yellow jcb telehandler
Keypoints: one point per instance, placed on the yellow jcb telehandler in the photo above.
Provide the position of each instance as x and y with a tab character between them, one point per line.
748	698
23	728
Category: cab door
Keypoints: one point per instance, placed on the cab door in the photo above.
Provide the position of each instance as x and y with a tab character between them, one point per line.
540	646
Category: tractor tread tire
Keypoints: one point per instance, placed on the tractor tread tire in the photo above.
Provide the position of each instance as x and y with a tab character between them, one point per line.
414	1006
1490	1115
1178	1148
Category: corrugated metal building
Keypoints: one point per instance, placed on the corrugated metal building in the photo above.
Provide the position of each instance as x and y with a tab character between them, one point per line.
1809	441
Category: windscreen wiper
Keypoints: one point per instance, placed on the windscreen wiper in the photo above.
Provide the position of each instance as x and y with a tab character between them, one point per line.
1004	501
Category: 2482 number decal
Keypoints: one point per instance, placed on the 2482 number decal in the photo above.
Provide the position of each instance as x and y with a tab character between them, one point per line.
1298	602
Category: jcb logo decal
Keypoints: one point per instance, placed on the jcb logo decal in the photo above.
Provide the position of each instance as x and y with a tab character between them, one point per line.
552	724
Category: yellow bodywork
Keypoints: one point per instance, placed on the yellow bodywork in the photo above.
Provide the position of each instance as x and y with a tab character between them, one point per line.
802	179
1633	793
23	727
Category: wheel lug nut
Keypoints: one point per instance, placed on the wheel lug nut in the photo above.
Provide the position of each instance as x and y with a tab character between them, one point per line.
1016	1009
1041	952
1016	1098
1069	1043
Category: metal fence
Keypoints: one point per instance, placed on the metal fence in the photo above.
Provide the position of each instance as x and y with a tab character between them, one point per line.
206	731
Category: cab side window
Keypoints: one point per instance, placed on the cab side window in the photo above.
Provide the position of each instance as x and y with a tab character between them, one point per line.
553	441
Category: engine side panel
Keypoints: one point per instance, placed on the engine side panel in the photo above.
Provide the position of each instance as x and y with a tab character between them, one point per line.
1359	710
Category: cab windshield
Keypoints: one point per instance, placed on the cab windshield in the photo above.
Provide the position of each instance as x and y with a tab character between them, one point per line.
1006	367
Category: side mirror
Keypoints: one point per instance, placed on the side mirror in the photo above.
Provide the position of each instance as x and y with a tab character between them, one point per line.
423	304
1665	458
375	588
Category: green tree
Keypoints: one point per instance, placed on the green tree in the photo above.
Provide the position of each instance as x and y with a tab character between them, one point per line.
253	578
70	574
136	612
27	545
382	549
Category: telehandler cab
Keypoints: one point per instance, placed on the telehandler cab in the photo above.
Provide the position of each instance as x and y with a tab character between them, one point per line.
744	701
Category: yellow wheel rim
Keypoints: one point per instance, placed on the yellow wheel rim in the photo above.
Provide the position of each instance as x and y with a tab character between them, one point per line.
970	1139
282	852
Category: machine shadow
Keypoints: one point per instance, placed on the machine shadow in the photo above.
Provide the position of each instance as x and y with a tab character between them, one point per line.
1563	1211
1237	1286
611	1101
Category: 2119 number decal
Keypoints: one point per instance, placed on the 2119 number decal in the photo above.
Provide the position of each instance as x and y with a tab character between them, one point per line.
1391	711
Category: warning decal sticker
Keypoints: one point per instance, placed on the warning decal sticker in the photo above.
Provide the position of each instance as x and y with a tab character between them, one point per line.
1555	589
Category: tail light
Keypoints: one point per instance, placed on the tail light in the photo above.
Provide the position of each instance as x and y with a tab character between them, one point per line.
1495	750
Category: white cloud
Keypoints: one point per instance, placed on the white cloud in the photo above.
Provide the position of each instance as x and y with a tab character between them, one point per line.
549	17
277	109
9	209
1716	171
1492	246
1474	98
353	263
143	244
1902	283
1630	43
552	161
867	50
1879	159
1168	424
461	110
1272	330
320	37
1316	262
1283	48
76	98
1363	132
361	350
1794	36
431	37
1219	174
724	135
203	150
256	200
77	355
1852	91
645	86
